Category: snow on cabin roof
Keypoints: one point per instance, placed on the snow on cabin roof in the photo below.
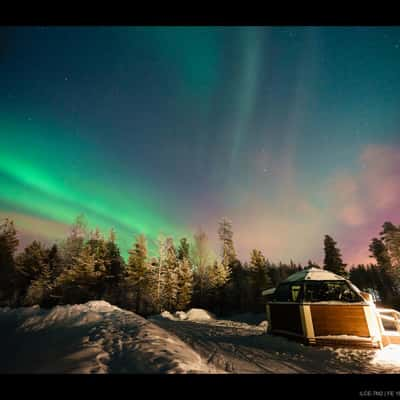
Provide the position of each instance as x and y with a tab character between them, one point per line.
315	274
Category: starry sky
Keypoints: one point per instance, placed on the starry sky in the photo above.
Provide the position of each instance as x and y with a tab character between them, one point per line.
290	132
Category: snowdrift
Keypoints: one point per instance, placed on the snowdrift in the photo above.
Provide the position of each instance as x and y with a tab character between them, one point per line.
198	314
95	337
194	314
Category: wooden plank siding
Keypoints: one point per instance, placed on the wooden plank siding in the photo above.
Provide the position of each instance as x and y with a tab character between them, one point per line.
339	320
286	317
389	339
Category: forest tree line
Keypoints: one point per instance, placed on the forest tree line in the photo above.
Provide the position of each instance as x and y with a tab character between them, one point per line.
88	266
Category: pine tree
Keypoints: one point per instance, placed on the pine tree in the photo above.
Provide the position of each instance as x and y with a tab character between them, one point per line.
40	288
112	250
237	285
8	234
78	283
54	261
237	289
202	261
55	265
170	287
333	258
381	255
155	285
157	274
183	249
185	284
79	228
114	265
73	245
259	278
273	273
359	276
225	233
379	278
30	265
8	246
185	276
258	266
98	249
391	239
112	236
299	267
312	264
137	272
220	276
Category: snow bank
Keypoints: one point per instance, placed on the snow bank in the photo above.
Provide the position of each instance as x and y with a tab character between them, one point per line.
264	325
194	314
388	356
168	315
181	315
68	316
95	337
198	314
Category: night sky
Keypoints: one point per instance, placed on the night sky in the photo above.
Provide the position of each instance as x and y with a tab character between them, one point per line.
291	133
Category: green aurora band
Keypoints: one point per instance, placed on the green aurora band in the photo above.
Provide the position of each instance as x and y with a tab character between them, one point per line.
37	178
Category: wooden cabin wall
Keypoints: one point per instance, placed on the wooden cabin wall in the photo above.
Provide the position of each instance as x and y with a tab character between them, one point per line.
339	320
286	317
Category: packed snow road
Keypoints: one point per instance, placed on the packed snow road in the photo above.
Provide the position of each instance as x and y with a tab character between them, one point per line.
237	347
97	337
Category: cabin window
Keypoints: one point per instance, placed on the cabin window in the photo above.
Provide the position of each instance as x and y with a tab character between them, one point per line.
330	291
295	291
288	292
282	293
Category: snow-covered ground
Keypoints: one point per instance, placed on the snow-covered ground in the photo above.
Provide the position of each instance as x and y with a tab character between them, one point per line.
97	337
238	347
90	338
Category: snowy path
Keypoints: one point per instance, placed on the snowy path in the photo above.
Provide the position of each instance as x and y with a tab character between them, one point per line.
240	348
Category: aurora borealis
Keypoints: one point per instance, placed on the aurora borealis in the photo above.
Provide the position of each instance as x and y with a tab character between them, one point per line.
290	132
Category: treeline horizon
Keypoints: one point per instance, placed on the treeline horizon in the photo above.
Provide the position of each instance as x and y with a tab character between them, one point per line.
87	265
